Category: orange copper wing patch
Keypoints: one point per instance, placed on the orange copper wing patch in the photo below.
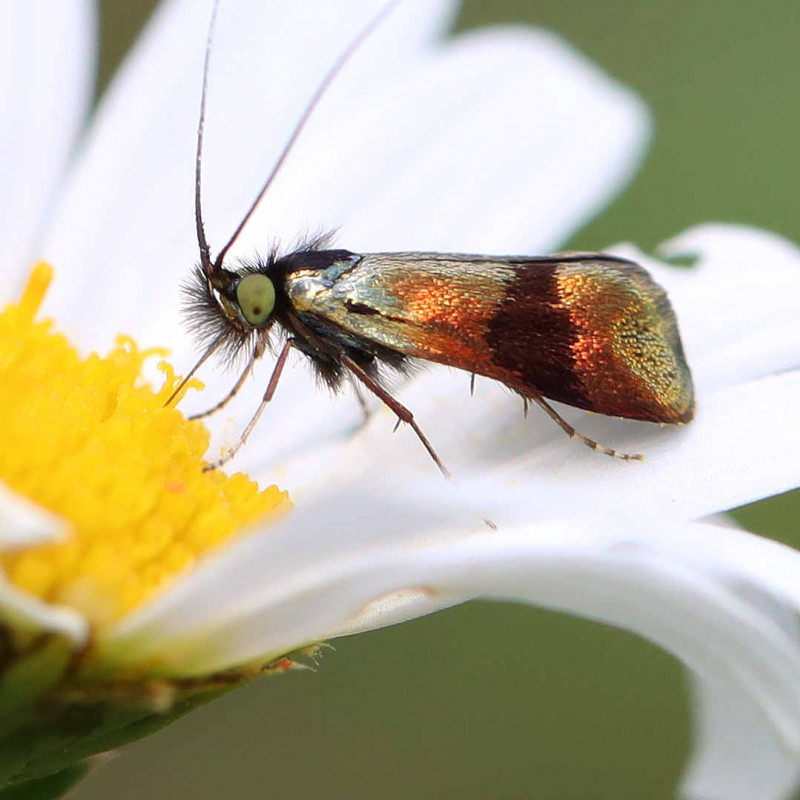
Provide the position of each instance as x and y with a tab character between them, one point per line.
626	349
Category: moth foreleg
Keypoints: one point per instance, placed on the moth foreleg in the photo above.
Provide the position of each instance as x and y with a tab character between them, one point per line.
271	386
398	408
231	394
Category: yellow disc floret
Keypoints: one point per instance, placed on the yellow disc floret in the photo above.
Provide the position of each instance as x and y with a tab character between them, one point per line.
89	439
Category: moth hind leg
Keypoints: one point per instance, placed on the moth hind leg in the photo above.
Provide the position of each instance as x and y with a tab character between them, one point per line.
575	434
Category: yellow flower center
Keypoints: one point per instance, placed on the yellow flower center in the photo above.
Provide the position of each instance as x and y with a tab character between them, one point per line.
90	440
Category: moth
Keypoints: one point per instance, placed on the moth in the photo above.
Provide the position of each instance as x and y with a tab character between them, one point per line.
591	330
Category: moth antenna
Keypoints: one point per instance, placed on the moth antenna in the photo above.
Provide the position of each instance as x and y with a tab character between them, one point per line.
337	67
205	253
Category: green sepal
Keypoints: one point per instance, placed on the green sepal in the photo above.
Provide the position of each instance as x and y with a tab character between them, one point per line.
53	735
49	787
77	720
31	674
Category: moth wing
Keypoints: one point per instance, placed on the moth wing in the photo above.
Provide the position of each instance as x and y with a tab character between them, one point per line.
590	330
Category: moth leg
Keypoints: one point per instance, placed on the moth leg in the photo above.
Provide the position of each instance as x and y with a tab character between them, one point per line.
360	397
403	414
572	433
210	350
271	386
231	394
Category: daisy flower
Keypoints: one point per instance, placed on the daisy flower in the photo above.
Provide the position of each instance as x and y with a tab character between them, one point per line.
136	586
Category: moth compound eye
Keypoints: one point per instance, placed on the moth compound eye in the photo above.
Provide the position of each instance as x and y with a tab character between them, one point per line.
255	296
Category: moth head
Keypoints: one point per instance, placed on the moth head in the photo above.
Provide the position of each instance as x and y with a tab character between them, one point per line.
231	309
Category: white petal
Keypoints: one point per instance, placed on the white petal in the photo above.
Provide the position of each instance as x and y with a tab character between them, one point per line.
24	523
723	618
713	625
272	582
127	226
736	451
735	753
392	609
475	150
48	60
25	614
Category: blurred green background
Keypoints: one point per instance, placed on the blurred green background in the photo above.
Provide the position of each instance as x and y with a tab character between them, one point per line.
492	701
